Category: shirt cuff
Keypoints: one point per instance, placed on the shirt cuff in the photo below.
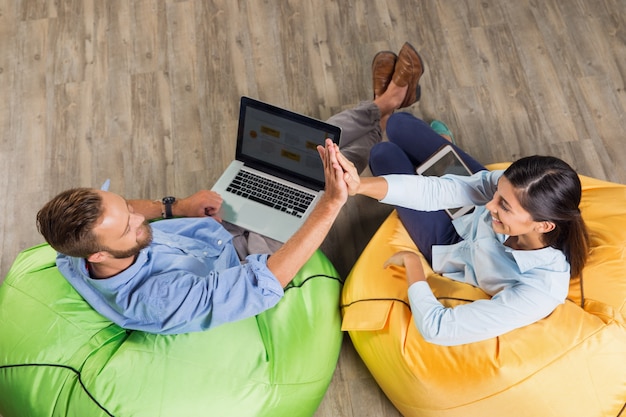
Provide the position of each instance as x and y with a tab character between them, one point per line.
265	278
394	189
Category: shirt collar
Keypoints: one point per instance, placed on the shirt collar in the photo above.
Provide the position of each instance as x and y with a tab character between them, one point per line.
537	258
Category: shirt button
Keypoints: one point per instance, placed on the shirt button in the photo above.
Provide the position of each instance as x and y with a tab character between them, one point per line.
205	253
219	242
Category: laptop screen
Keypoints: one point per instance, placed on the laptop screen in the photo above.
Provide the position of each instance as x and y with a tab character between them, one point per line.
282	142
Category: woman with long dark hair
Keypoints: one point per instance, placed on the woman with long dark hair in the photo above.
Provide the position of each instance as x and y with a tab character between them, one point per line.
521	244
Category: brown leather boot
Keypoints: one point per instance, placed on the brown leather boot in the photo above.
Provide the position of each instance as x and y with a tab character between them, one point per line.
408	70
383	65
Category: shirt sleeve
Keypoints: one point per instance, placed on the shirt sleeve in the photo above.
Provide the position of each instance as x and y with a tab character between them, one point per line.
511	308
182	302
436	193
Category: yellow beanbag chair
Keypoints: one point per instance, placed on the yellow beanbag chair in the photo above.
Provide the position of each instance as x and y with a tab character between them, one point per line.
572	363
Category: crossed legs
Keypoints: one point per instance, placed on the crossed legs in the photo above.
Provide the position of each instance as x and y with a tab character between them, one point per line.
411	142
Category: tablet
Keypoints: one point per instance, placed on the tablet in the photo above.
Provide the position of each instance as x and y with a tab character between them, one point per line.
446	161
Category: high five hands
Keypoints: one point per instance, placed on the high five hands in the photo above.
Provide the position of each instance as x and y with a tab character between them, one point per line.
337	187
340	166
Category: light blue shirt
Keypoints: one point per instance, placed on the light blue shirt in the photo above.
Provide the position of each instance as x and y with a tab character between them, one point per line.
189	279
525	286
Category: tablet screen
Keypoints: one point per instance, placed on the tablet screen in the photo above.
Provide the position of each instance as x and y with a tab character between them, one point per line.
446	161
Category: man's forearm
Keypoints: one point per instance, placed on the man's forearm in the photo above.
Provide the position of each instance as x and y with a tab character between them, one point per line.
151	209
200	204
288	260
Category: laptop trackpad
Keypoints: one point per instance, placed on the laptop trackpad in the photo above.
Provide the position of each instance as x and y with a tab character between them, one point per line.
258	218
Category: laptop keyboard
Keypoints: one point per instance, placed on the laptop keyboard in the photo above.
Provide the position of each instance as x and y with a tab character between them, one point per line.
272	194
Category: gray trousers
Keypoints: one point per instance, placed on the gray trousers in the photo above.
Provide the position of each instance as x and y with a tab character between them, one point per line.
360	130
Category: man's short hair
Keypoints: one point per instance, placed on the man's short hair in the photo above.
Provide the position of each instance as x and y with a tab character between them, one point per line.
67	222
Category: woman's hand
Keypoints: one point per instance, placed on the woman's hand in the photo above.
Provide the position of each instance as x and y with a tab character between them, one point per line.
411	261
350	175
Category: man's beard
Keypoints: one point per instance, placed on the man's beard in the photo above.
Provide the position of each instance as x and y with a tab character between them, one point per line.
134	251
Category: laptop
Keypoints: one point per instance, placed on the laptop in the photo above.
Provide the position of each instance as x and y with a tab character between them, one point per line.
277	176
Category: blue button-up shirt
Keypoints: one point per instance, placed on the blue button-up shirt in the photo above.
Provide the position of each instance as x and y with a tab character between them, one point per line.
525	285
189	279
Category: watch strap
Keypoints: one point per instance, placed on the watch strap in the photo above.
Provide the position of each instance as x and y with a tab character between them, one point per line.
167	207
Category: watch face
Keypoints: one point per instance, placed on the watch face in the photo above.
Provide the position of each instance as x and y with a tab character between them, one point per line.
168	200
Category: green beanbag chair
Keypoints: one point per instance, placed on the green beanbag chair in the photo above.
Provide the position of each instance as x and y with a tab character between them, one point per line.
59	357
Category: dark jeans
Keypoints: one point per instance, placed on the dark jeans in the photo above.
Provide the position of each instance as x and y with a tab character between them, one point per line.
411	142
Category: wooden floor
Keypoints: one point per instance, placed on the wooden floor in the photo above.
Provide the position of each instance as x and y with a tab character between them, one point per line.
146	92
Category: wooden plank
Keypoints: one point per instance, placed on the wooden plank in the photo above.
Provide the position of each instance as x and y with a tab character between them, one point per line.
67	42
541	70
23	151
148	36
183	79
608	117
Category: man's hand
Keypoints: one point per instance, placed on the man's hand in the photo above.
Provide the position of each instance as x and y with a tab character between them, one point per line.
336	187
201	204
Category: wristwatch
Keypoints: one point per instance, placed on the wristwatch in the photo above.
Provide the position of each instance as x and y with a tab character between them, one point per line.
167	206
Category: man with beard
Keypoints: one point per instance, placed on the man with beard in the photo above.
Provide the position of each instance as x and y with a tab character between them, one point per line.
178	275
185	274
